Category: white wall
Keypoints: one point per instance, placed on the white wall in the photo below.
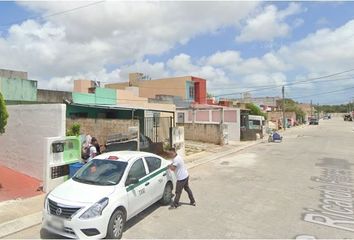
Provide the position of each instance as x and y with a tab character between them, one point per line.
234	133
23	143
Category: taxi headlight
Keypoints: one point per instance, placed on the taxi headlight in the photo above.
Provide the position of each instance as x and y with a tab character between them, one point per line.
95	210
46	202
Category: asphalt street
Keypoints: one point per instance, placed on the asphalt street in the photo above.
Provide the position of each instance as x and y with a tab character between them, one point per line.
300	188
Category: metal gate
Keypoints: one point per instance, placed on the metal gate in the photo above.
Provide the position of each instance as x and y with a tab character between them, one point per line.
158	128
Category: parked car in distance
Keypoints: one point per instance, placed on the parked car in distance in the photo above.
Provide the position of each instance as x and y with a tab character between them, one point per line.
348	117
327	117
105	193
313	121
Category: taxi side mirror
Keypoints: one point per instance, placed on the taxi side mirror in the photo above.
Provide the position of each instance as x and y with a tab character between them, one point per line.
131	180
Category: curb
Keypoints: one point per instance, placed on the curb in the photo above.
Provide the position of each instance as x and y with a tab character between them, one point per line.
19	224
222	154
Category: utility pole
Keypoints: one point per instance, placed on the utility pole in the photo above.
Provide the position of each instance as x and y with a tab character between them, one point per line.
311	108
283	108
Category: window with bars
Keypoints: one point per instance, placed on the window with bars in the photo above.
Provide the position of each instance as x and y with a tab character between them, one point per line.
191	91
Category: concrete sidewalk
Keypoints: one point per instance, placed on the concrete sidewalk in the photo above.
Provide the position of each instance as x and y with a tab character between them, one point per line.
17	215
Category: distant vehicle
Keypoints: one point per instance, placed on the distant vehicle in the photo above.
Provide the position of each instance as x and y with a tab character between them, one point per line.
348	117
313	121
275	137
105	193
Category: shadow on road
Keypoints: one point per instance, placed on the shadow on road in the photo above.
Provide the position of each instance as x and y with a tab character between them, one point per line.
48	235
141	216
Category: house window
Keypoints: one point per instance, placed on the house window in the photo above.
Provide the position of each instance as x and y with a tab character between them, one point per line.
191	91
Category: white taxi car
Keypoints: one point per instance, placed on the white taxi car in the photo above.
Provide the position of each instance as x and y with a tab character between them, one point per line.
105	193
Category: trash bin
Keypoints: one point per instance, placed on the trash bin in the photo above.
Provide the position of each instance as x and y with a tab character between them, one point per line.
73	168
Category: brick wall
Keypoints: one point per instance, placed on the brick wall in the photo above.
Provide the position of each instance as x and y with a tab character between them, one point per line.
279	115
211	133
101	128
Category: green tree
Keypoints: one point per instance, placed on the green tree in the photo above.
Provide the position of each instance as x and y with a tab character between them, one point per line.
292	106
3	114
342	108
255	110
74	130
209	95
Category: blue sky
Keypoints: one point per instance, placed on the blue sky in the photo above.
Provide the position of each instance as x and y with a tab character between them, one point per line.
336	14
236	46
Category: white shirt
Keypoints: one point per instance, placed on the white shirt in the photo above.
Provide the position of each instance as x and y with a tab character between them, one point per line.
181	170
93	152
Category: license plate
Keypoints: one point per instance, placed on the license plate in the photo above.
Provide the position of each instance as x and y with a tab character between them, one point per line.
57	224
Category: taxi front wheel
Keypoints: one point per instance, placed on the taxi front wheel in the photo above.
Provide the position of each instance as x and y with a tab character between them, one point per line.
167	195
116	225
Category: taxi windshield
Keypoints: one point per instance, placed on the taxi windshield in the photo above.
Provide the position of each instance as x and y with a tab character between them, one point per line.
101	172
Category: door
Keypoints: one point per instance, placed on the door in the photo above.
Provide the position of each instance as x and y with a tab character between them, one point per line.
157	178
137	194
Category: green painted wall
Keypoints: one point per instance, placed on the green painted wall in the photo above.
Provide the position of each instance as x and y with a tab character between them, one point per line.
106	96
16	89
72	150
102	96
84	98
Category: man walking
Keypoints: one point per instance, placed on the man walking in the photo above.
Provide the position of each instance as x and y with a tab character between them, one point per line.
179	168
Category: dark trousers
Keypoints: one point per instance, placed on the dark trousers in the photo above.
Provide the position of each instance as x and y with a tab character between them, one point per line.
183	184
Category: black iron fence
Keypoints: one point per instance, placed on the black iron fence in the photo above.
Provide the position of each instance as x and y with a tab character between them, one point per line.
158	128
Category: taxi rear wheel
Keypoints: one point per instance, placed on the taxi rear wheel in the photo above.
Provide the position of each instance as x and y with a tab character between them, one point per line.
167	195
116	225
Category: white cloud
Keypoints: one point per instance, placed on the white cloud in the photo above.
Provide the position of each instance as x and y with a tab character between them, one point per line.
181	64
66	82
107	41
225	58
324	51
269	24
260	80
153	70
110	33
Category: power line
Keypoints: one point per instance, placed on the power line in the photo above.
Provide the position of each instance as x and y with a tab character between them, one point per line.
324	93
257	89
51	15
300	82
289	84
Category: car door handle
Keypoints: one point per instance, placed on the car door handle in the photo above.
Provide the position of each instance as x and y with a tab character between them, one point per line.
146	184
164	174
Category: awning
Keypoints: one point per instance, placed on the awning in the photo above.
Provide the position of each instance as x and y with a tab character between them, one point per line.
119	107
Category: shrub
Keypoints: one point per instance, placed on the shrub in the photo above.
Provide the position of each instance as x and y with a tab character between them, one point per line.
3	114
74	130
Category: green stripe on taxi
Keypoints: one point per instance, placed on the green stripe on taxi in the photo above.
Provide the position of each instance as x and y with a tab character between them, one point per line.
147	178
